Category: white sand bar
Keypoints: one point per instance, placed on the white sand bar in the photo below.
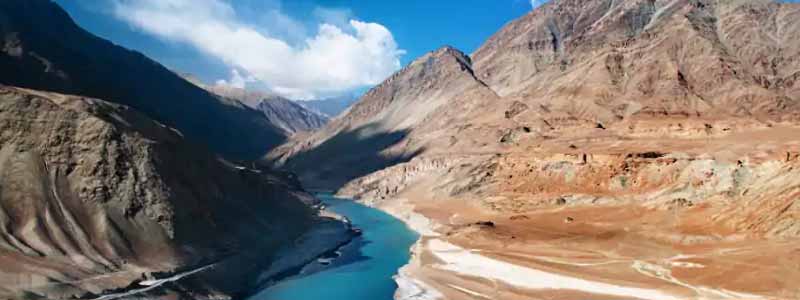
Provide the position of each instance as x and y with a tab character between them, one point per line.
464	262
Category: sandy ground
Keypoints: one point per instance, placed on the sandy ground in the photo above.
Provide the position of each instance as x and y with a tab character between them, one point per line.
601	255
507	239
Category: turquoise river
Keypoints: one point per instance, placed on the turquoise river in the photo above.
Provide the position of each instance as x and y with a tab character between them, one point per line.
366	266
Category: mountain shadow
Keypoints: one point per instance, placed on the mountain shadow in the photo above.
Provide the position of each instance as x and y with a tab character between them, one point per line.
43	49
349	155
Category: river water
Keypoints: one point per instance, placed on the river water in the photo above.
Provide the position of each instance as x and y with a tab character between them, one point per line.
365	268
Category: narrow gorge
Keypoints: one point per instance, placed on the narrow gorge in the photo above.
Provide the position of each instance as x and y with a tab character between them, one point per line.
588	149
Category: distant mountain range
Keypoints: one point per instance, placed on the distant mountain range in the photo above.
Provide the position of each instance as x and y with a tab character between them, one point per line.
331	107
290	116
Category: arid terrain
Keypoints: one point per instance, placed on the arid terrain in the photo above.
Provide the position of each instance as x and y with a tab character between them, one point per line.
42	48
117	178
96	197
635	149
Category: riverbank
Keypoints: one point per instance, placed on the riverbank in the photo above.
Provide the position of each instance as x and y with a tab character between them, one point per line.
575	253
442	270
370	260
409	285
329	235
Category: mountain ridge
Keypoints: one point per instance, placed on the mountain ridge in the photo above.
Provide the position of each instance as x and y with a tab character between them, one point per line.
290	116
627	138
95	194
381	118
44	49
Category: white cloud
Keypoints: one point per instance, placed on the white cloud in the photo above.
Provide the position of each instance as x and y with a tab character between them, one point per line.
338	59
236	81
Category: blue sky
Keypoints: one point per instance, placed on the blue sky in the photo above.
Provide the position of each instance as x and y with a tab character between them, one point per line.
301	49
415	26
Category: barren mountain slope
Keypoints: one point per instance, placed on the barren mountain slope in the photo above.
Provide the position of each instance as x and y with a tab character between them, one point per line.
650	75
42	48
290	116
382	128
637	143
606	60
93	194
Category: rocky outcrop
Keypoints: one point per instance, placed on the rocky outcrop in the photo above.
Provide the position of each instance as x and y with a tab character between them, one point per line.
43	49
386	183
93	195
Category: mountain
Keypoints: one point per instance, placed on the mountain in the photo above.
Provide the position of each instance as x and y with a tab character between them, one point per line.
606	60
290	116
43	49
619	141
374	133
570	70
96	194
331	107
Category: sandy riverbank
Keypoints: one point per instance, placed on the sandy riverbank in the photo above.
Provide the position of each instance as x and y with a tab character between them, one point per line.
534	260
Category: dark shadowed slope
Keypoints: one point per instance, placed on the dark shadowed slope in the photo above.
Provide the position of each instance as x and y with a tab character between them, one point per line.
93	194
42	48
378	131
290	116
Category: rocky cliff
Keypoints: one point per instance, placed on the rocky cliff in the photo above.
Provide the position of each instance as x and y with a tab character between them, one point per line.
95	194
42	48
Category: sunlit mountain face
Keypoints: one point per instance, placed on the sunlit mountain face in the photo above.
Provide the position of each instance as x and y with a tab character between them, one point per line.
564	149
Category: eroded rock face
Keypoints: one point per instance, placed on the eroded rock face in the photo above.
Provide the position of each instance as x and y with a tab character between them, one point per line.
607	60
93	194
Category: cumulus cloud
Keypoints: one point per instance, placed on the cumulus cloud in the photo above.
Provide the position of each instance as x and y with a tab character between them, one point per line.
336	59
